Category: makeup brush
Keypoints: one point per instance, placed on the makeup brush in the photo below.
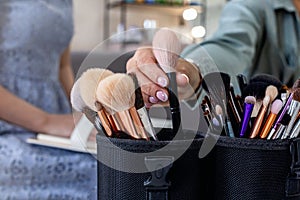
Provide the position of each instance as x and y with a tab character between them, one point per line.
270	95
117	95
87	84
166	49
248	108
267	78
256	89
141	108
296	84
296	130
275	108
242	82
293	111
281	114
79	105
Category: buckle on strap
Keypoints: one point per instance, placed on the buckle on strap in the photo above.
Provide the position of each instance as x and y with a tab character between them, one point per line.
157	185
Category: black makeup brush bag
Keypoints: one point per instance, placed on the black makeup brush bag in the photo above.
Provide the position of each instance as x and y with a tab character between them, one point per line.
236	168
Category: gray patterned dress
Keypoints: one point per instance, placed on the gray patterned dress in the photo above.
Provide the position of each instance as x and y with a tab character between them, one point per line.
33	34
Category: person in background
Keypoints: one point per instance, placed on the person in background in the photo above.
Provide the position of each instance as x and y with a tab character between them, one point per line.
35	83
254	36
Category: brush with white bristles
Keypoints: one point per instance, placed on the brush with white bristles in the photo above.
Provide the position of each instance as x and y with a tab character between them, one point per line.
88	83
79	105
270	94
166	49
117	95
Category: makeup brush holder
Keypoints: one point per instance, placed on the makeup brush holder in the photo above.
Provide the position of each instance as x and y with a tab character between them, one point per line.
236	168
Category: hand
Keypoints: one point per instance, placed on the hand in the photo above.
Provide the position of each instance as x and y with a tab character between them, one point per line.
153	80
59	125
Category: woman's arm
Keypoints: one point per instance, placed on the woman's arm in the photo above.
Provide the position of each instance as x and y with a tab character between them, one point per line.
17	111
66	74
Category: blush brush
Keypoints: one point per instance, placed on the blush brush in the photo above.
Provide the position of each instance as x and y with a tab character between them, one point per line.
166	49
117	95
87	85
79	105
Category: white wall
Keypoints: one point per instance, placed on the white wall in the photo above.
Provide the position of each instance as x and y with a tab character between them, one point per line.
88	20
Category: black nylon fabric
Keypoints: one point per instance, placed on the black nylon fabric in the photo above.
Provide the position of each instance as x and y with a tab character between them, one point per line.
236	168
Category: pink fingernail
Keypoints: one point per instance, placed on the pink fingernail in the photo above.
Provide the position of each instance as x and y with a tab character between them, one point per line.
162	81
153	100
162	96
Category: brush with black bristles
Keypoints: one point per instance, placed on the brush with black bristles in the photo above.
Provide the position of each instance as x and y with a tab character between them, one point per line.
117	95
166	49
87	84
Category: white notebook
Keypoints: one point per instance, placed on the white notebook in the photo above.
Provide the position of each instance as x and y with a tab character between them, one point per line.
79	137
77	142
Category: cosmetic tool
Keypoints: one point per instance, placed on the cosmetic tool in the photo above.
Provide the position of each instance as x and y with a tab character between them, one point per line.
141	108
242	82
217	85
292	112
166	49
270	95
79	105
88	83
248	108
296	129
281	127
275	108
117	95
281	114
267	78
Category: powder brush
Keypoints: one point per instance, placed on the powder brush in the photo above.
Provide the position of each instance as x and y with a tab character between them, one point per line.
117	95
88	83
166	49
79	105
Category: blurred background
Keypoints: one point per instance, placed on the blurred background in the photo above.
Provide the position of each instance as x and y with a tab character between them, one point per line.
97	20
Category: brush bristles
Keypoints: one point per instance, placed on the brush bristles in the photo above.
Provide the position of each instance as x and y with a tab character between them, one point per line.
75	97
88	83
166	49
219	110
296	95
256	108
296	84
276	106
266	101
250	99
272	92
116	93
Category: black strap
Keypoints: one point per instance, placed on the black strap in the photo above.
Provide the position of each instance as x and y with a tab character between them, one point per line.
157	185
292	189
